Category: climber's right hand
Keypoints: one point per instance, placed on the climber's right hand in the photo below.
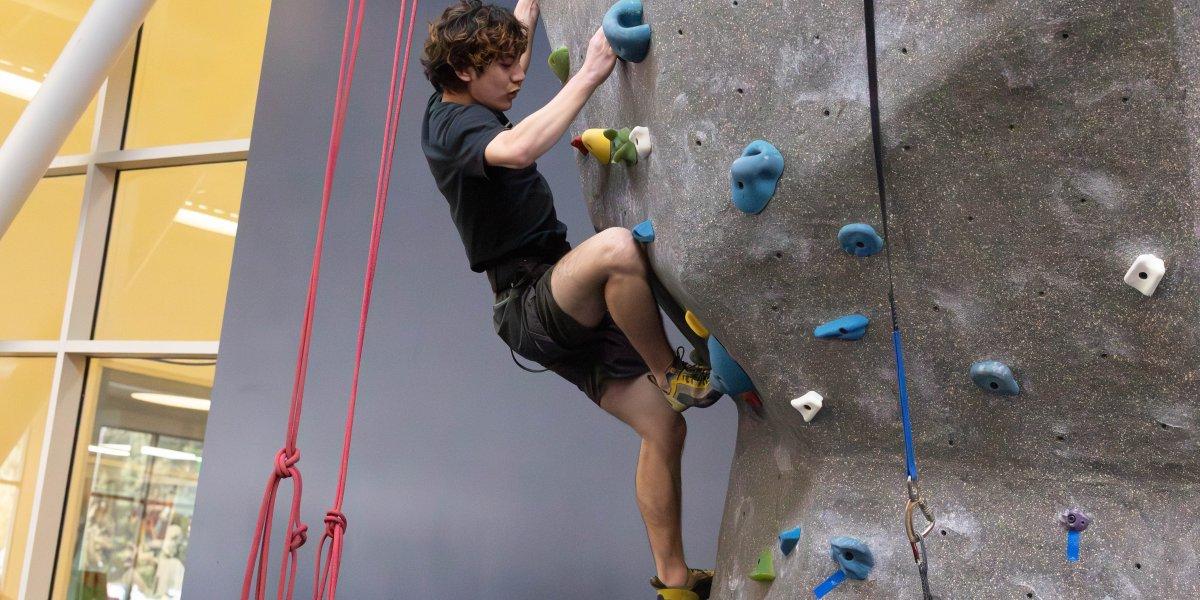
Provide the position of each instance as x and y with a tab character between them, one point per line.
599	61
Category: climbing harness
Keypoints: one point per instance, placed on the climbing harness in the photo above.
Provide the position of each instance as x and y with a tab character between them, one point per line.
916	539
328	562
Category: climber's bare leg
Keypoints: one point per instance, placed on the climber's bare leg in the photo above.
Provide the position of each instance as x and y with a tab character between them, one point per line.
639	404
608	273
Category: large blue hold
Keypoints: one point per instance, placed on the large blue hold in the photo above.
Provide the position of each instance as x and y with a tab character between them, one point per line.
628	36
849	327
852	555
727	375
860	239
644	232
754	176
788	540
995	377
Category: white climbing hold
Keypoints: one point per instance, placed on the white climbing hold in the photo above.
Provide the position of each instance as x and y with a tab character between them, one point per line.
640	136
1145	273
809	405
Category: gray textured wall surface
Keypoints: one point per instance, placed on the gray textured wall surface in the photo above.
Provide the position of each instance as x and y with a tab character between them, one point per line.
1032	151
469	478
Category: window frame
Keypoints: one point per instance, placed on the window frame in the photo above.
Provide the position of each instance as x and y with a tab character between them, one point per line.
75	346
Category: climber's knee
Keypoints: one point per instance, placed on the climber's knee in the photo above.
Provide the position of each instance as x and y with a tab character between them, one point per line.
620	253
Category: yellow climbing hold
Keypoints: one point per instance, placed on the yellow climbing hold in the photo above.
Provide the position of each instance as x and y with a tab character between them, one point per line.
694	322
599	143
677	594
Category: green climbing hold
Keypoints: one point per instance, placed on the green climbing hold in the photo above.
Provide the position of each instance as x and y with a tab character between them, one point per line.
624	150
765	569
560	63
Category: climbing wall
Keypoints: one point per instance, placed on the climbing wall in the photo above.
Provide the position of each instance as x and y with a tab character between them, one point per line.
1033	150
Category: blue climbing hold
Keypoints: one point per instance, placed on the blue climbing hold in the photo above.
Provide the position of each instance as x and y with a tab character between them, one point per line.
860	239
727	375
995	377
644	232
852	555
788	540
849	327
753	176
628	36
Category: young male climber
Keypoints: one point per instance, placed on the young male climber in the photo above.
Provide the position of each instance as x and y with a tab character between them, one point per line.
586	313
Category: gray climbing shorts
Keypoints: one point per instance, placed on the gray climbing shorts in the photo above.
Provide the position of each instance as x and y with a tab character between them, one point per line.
531	323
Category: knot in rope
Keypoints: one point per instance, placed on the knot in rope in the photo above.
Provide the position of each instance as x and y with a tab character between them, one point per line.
334	520
284	463
299	537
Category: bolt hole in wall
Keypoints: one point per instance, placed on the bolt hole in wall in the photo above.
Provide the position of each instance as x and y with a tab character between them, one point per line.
903	50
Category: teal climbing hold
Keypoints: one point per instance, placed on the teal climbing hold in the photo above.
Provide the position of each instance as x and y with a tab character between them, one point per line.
788	540
560	63
849	327
995	377
644	232
626	33
860	239
754	176
852	555
727	375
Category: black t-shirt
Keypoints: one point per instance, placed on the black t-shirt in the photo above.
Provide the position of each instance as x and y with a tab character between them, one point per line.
500	213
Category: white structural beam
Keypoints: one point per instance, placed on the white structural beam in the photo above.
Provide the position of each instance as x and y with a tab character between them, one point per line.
64	95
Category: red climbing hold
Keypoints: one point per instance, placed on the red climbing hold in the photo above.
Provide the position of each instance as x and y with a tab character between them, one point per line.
577	141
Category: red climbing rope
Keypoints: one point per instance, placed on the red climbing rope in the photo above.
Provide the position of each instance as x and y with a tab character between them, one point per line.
326	578
287	457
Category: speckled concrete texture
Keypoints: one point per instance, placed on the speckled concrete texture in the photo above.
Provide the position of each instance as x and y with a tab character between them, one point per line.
1032	151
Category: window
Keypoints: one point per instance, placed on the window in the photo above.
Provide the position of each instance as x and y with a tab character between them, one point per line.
114	279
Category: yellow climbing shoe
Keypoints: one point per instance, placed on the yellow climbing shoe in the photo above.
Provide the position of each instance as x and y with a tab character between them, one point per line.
698	587
687	385
677	594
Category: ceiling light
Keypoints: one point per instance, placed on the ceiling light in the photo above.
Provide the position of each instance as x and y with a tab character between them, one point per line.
169	454
18	87
173	401
211	223
105	449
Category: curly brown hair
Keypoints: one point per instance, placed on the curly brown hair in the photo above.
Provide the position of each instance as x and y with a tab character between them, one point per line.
470	34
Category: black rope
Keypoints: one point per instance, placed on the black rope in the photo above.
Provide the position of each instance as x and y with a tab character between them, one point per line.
877	147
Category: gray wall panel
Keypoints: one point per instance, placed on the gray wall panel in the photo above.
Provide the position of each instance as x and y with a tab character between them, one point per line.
1026	169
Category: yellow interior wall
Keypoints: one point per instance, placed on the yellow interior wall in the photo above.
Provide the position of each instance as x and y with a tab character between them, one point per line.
35	260
164	279
198	72
25	385
32	35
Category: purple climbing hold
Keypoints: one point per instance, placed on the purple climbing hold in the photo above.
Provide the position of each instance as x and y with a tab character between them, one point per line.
1074	519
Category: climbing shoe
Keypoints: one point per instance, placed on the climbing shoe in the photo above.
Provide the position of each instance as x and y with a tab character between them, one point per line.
698	586
687	385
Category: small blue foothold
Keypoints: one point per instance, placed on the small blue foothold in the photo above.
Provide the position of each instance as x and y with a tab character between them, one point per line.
788	540
727	375
644	232
628	36
860	239
754	176
852	555
849	327
995	376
